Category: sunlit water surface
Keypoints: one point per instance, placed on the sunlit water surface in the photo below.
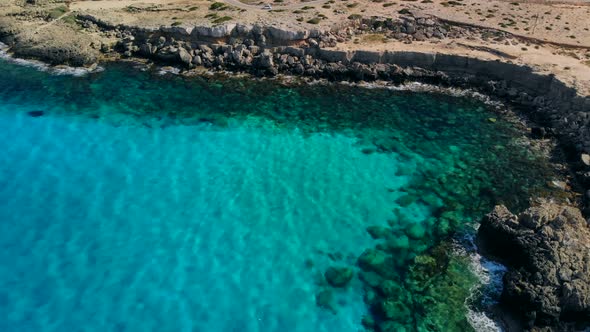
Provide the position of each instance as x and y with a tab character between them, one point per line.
136	202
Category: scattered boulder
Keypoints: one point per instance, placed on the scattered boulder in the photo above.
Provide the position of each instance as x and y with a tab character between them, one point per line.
184	57
338	276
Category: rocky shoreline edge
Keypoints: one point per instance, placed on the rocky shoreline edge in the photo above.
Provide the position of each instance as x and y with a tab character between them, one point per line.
547	248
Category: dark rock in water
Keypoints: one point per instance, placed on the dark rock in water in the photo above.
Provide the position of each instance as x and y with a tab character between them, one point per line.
398	242
538	132
335	256
371	278
371	298
325	299
378	232
36	114
548	251
372	259
391	326
390	289
368	322
395	310
406	200
338	276
415	231
542	132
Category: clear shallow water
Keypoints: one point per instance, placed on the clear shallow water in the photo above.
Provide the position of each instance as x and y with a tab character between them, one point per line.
136	202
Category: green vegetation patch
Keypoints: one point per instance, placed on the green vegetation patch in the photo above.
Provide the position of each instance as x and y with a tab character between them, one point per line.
222	19
56	12
218	6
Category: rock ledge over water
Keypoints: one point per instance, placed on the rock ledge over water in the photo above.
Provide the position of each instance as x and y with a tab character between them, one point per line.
547	249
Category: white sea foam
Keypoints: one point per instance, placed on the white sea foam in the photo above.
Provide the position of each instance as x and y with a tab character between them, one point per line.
56	70
490	275
168	70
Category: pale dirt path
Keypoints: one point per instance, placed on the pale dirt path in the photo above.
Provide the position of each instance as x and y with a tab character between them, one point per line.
115	4
44	26
237	3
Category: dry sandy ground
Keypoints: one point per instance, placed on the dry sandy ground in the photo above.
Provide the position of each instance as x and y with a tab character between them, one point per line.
557	22
560	21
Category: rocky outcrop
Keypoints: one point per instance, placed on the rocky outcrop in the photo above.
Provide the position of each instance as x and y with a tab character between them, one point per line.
54	44
547	249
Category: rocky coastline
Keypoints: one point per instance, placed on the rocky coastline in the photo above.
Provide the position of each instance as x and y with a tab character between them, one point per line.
547	284
547	248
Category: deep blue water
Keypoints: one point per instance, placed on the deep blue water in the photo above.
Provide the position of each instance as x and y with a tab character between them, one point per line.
131	201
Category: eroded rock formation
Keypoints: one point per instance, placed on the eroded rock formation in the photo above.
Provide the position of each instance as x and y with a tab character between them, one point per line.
547	249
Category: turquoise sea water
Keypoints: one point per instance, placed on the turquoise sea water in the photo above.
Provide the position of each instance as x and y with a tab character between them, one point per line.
131	201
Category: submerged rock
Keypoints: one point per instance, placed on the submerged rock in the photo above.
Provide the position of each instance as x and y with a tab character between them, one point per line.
368	322
395	310
371	259
325	299
391	326
416	231
370	278
378	232
36	114
338	276
548	251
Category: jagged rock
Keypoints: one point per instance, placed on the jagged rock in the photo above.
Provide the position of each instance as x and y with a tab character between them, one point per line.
184	57
265	60
278	34
205	49
338	276
148	49
197	61
548	251
217	31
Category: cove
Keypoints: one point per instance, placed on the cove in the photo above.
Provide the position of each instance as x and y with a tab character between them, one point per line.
133	201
